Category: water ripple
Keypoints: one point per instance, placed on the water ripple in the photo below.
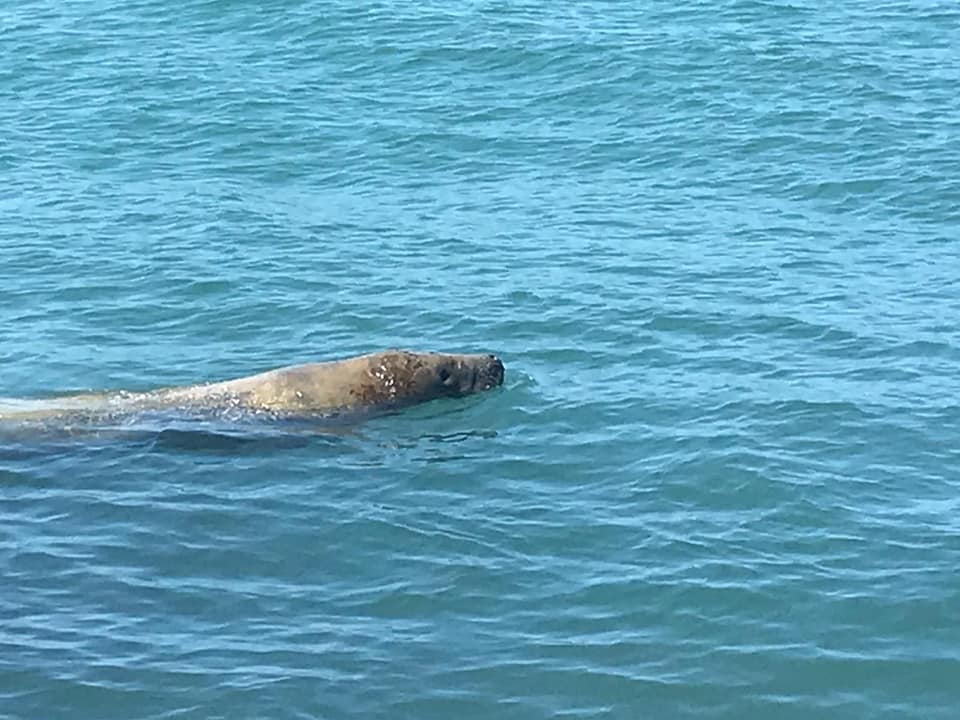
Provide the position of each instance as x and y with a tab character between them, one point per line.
714	244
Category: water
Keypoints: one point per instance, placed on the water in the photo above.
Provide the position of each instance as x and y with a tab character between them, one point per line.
715	244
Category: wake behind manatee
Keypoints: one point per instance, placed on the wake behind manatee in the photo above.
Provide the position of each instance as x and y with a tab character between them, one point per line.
28	424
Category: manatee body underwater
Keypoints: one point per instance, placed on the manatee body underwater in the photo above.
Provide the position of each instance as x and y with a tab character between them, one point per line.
372	383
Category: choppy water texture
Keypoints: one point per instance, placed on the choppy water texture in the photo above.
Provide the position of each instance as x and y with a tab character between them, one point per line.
715	244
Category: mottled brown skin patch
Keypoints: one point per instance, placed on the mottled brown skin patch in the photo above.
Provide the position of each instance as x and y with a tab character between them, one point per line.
399	377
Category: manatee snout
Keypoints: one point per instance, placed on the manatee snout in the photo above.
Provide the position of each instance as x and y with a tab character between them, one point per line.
491	375
487	373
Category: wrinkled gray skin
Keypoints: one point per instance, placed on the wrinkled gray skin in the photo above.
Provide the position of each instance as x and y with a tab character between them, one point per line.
378	381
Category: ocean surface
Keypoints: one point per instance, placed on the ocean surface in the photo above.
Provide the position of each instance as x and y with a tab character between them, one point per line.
715	244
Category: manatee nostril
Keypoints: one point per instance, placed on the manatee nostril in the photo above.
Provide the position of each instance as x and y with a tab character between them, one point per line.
496	370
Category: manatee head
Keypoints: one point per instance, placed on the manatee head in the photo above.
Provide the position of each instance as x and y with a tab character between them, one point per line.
405	377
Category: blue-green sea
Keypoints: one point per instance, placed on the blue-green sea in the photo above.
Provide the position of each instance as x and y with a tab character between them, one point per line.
715	245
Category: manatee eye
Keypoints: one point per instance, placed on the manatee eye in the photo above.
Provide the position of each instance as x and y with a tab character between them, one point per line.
444	374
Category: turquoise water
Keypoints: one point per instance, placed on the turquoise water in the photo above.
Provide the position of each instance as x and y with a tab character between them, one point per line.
715	245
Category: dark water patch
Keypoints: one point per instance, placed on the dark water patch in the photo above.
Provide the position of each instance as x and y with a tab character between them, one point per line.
231	444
